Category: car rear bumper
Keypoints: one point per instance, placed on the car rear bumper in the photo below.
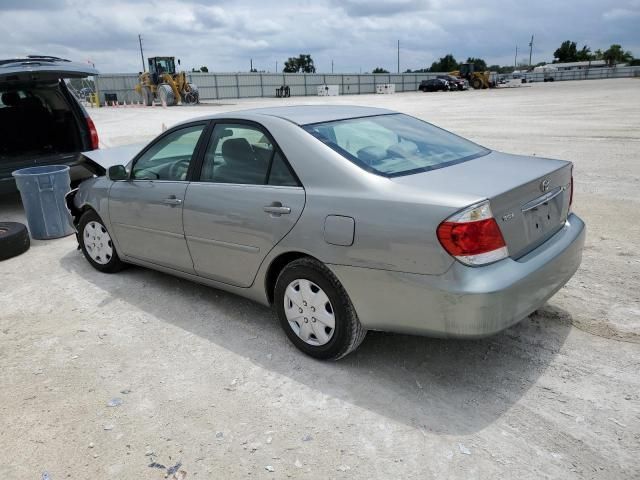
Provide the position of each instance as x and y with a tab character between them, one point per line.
465	302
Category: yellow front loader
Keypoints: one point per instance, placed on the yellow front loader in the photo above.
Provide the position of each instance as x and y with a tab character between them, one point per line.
164	84
476	79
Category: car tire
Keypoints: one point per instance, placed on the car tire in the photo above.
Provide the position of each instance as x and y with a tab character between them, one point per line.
14	239
313	279
96	244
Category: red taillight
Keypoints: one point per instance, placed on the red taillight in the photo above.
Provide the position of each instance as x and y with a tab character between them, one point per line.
93	134
473	236
571	191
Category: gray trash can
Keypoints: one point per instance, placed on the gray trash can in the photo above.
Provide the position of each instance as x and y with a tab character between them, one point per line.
42	190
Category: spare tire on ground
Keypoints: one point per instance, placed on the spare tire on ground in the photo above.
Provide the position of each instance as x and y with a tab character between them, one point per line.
14	239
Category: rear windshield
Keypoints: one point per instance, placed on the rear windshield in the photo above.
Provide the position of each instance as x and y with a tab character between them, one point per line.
395	144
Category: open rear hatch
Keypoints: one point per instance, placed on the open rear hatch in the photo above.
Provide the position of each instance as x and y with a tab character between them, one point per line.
41	69
529	196
41	123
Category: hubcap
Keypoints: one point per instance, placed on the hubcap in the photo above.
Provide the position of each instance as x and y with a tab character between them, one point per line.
309	312
97	243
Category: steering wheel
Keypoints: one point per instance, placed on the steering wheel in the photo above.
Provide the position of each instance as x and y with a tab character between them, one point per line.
178	170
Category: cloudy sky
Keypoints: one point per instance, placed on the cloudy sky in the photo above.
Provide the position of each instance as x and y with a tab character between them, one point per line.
355	34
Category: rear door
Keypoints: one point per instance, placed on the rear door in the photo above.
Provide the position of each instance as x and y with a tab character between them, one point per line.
146	210
246	199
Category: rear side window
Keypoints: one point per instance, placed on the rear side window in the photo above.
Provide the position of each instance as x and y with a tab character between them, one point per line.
244	154
280	173
396	144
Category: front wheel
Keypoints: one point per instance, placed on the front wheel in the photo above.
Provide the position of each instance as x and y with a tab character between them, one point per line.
315	311
166	96
97	245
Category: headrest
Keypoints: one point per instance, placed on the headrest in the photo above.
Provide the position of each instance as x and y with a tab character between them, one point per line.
237	150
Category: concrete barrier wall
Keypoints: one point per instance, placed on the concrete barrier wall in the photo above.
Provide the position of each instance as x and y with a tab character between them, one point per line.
220	86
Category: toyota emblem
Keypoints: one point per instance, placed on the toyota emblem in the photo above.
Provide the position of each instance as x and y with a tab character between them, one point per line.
544	185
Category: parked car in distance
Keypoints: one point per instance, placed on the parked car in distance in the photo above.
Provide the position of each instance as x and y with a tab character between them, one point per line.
434	85
343	218
455	83
42	121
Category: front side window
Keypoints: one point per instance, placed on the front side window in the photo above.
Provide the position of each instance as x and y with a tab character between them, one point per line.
169	158
243	154
395	144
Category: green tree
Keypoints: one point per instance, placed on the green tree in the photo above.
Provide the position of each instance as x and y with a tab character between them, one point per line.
479	65
302	64
584	55
379	70
568	52
446	64
201	69
615	54
597	55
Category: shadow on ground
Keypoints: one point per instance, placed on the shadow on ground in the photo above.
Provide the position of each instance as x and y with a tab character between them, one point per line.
441	386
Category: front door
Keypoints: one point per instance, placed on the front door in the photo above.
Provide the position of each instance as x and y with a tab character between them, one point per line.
146	210
245	201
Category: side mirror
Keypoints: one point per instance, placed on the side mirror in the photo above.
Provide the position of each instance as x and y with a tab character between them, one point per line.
117	172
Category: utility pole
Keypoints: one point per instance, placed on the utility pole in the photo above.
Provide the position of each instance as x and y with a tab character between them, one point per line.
251	64
141	53
276	66
398	56
530	50
515	61
332	65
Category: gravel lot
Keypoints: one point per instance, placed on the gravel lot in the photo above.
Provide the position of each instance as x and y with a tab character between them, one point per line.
209	380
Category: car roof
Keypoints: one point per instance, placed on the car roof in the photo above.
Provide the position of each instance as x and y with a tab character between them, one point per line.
307	114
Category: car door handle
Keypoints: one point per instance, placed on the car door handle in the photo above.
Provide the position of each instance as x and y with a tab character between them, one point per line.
172	200
276	208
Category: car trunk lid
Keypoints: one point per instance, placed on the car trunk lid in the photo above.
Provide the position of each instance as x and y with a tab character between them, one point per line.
529	196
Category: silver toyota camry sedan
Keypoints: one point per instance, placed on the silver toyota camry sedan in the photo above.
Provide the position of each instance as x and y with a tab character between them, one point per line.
344	219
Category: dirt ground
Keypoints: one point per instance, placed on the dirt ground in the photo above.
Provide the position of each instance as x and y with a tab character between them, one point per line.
208	380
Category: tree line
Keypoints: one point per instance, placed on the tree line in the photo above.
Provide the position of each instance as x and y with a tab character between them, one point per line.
567	52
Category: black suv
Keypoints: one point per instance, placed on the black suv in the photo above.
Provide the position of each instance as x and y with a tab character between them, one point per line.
41	121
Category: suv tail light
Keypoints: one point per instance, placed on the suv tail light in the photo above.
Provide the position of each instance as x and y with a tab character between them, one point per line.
571	191
472	236
93	133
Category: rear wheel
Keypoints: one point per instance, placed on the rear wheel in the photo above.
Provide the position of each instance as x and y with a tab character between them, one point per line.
97	245
147	96
315	311
192	96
